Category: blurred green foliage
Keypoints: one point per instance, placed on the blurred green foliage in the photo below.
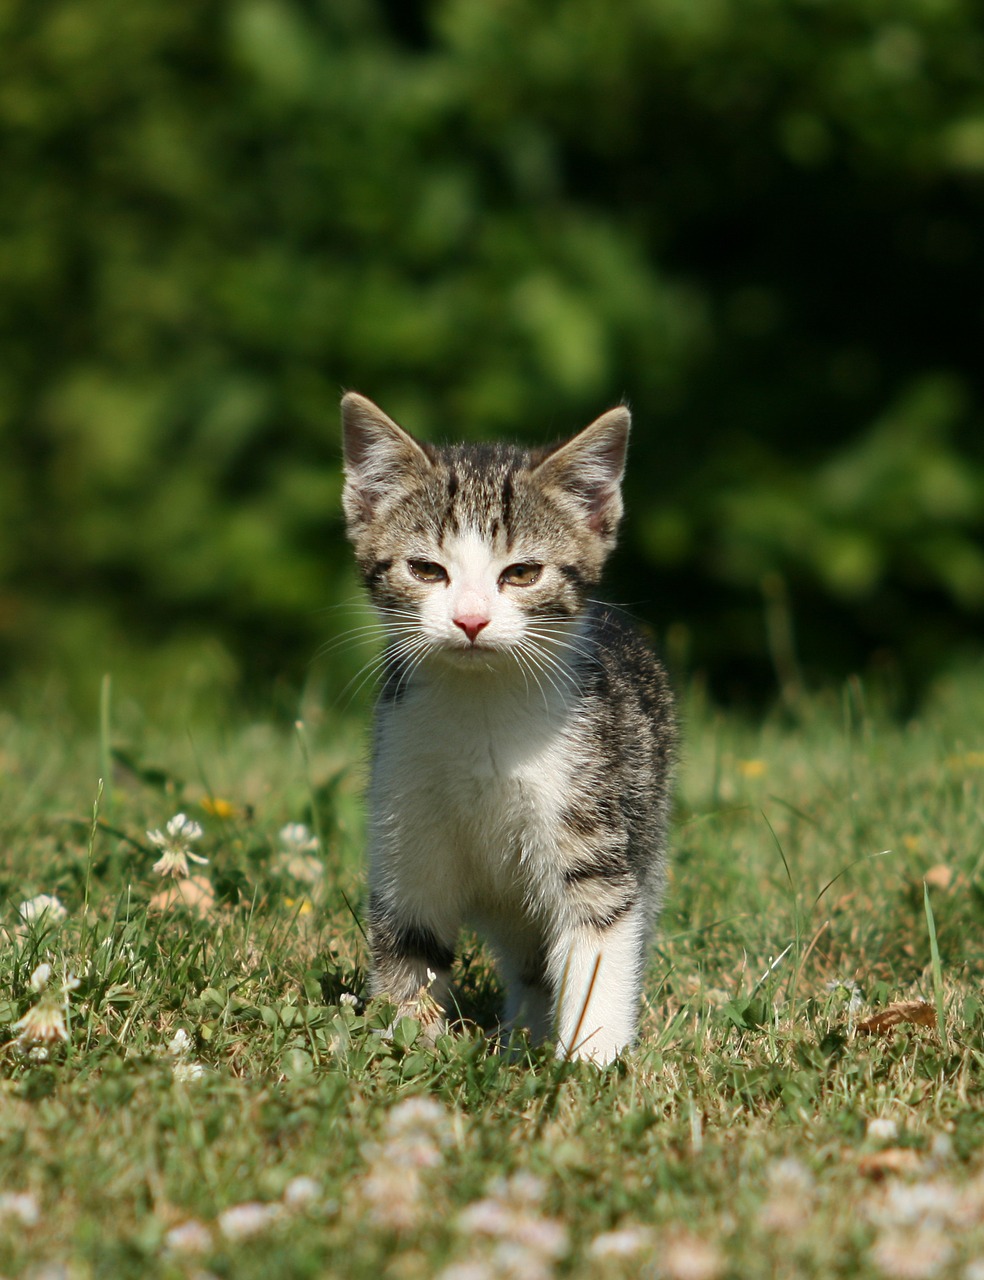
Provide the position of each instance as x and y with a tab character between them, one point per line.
758	220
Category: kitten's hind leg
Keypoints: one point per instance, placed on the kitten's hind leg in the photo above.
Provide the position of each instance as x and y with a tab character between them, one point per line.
412	966
597	971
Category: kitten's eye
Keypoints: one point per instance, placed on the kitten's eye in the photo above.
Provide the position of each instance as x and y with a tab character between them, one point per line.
427	571
520	575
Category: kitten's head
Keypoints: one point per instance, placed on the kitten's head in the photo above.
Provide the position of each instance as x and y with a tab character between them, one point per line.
479	549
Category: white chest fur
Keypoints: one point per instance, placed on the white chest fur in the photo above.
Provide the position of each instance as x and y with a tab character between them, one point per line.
469	783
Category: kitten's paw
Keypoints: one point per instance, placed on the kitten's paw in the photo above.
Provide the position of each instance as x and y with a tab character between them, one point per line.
426	1012
430	1015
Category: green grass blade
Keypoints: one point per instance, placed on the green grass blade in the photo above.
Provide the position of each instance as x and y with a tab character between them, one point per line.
934	952
105	739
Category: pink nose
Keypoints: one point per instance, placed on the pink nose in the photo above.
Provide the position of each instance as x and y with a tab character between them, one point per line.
471	624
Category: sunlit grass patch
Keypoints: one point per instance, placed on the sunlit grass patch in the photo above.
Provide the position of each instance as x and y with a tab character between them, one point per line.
212	1094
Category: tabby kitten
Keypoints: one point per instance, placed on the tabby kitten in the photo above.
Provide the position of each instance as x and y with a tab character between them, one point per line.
524	734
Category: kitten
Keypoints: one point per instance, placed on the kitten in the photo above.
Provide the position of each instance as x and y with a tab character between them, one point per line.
524	734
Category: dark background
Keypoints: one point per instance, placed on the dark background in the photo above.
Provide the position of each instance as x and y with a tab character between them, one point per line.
758	221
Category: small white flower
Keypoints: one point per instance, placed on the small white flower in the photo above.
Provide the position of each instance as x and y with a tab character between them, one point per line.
297	855
473	1270
245	1220
44	1024
882	1129
912	1255
45	907
296	838
520	1189
509	1213
40	977
790	1175
687	1257
391	1195
486	1218
185	1071
21	1205
347	998
416	1115
181	831
919	1204
626	1242
305	868
512	1259
302	1192
191	1237
180	1043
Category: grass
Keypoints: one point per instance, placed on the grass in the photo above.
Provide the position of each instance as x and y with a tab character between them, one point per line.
222	1107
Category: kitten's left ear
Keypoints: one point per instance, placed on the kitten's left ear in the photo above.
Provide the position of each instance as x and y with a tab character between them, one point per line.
379	455
591	465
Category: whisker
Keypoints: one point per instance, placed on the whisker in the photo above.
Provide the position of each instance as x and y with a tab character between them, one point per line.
393	653
525	665
574	643
547	667
423	649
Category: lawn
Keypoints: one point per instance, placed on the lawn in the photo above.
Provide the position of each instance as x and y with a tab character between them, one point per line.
193	1086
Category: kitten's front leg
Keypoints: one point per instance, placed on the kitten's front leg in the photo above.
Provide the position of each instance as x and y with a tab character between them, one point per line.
411	964
597	971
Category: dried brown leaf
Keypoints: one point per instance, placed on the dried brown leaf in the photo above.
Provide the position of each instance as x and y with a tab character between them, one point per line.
918	1012
878	1164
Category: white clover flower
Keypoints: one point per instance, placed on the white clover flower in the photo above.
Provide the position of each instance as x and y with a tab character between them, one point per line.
521	1189
512	1259
296	838
510	1214
790	1175
625	1242
301	1192
42	1024
21	1205
912	1255
391	1196
347	998
40	977
181	831
297	855
920	1204
185	1071
882	1129
473	1270
245	1220
180	1043
416	1115
191	1237
43	907
687	1257
486	1218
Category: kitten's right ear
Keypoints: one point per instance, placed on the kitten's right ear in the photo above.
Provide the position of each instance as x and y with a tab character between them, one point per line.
378	454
